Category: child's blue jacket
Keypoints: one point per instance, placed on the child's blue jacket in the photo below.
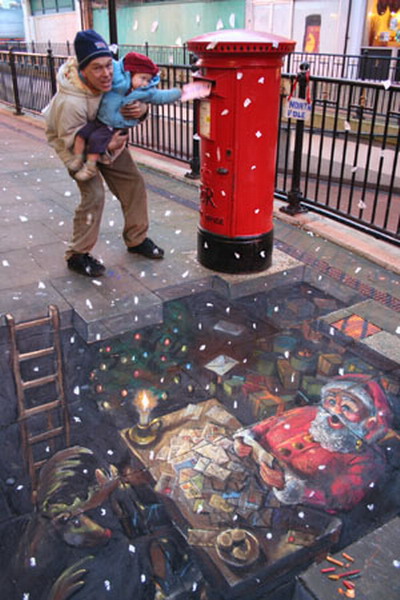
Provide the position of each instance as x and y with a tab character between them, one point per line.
112	101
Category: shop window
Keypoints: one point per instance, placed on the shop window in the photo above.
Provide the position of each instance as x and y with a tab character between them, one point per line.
383	24
42	7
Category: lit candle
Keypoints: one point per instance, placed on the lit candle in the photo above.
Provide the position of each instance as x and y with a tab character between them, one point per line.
144	402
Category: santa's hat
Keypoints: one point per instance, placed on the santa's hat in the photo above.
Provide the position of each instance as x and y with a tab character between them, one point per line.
372	396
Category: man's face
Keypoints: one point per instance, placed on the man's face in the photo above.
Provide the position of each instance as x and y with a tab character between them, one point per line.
345	408
340	421
99	73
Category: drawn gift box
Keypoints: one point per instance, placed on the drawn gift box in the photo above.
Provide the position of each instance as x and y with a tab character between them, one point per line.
289	377
328	364
264	404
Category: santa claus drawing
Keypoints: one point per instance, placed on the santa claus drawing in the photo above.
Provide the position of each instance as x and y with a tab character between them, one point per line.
324	455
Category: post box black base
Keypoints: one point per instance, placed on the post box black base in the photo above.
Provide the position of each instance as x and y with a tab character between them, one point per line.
234	255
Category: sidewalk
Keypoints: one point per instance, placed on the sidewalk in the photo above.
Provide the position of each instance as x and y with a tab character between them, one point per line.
37	205
329	305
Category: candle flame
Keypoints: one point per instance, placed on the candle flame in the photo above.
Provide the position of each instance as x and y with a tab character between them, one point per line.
145	400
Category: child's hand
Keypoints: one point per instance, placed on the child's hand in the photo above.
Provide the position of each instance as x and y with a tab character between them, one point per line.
197	89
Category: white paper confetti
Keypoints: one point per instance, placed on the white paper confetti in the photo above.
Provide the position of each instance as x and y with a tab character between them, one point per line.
398	329
32	561
185	274
67	194
256	211
89	304
211	45
5	263
219	25
135	25
386	84
23	218
196	137
261	80
239	75
224	112
258	134
236	255
107	584
232	20
361	204
143	578
132	548
247	102
154	26
77	390
347	126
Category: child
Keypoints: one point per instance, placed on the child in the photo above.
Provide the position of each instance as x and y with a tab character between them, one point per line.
135	78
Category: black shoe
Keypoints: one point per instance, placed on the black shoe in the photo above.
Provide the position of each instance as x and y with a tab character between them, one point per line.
85	264
147	249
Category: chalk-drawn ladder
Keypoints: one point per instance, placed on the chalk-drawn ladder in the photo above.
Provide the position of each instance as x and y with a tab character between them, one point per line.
43	421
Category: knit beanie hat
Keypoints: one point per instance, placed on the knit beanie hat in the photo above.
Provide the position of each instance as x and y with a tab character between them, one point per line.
89	45
139	63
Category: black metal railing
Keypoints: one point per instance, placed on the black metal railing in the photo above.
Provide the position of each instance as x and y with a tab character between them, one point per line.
349	168
373	64
350	155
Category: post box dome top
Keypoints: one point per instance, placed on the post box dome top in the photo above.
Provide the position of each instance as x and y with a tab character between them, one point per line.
240	40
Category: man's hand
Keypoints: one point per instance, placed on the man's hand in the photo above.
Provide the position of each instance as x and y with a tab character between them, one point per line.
135	110
118	140
272	477
241	448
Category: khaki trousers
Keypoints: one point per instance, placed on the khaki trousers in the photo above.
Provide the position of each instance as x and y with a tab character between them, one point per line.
126	183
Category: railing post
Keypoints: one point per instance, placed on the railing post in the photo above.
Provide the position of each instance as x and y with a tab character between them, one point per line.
18	108
50	66
194	163
295	196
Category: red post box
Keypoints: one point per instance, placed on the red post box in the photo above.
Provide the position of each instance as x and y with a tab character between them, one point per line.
238	127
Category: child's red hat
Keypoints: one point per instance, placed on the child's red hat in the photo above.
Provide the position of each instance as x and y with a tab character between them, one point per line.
139	63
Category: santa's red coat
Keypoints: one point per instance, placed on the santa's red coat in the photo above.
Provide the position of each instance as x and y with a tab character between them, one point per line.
333	480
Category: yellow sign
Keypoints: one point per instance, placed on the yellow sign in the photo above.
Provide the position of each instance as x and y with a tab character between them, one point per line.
205	118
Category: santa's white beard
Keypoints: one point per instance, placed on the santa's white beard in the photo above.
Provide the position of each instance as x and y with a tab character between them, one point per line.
335	440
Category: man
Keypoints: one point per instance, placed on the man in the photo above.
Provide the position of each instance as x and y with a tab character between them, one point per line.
81	84
324	455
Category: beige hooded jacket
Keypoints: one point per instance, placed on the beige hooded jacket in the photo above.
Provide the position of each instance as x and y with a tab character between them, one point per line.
70	109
